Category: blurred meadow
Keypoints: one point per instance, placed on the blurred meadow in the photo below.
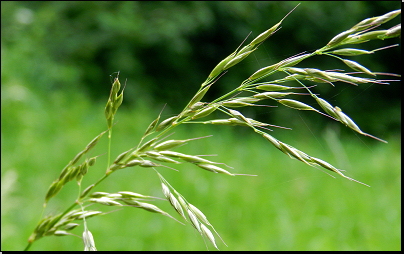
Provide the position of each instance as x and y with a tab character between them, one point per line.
56	62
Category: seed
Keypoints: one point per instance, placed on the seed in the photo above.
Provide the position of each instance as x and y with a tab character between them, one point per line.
133	163
77	157
86	191
270	95
205	112
209	235
120	157
105	201
357	67
174	202
220	66
108	109
166	190
148	144
296	104
273	140
350	52
194	220
272	88
129	194
166	123
148	164
238	115
293	60
339	38
237	59
88	240
263	72
169	144
93	142
214	169
198	214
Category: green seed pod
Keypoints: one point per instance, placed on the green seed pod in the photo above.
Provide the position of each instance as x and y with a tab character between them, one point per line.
53	190
165	159
327	107
116	86
273	140
117	103
198	96
295	70
214	169
339	38
318	74
133	163
86	191
165	123
174	203
363	24
91	161
77	157
219	122
151	126
194	220
236	60
350	52
166	190
386	17
70	226
272	88
206	232
172	154
357	67
373	35
220	66
198	213
120	157
238	115
393	32
182	202
114	167
73	174
169	144
265	35
263	72
93	142
149	143
64	171
293	60
148	164
108	109
270	95
205	112
296	104
240	102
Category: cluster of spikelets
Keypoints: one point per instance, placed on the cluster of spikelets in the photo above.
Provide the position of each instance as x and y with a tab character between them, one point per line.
156	152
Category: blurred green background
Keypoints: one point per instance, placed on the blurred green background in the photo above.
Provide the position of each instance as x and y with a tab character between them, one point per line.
56	62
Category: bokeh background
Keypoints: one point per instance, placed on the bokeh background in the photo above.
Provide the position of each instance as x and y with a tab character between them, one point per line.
57	59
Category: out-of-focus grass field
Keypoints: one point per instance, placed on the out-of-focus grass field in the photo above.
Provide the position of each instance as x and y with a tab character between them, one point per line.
288	206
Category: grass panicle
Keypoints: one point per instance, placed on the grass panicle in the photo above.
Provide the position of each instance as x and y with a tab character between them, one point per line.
153	153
